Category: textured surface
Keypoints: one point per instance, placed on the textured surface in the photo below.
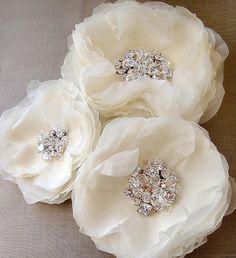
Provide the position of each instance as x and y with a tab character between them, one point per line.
33	45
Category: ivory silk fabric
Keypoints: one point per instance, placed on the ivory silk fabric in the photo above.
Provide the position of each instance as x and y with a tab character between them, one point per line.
33	44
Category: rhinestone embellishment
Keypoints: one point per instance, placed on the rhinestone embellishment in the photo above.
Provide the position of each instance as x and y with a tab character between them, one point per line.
140	63
152	188
52	144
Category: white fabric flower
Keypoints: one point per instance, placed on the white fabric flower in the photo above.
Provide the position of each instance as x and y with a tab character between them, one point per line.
47	105
197	54
105	214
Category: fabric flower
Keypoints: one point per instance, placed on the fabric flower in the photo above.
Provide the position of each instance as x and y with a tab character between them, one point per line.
196	53
48	105
104	213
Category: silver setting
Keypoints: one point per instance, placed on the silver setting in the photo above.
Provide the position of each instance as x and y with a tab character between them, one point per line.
141	63
53	144
152	188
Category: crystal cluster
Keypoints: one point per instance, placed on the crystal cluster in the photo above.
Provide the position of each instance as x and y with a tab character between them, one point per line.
152	188
53	144
141	63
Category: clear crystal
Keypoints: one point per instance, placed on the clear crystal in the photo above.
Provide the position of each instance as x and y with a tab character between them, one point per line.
145	209
170	196
52	144
137	201
171	181
46	156
142	63
137	192
167	72
40	147
135	181
152	187
165	173
146	197
128	192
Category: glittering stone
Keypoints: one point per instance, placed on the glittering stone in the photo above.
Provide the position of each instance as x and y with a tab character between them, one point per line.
137	192
152	188
40	147
52	144
146	197
171	181
136	201
128	192
145	209
170	196
142	63
45	156
135	181
165	173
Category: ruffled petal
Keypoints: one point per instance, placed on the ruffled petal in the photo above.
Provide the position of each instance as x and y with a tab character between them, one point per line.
47	105
196	54
105	214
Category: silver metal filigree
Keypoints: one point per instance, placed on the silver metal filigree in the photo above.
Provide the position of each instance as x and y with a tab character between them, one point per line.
152	188
141	63
52	144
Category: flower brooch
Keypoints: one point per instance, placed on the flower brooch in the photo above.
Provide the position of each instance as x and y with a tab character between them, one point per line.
152	188
141	63
175	211
46	138
152	59
53	144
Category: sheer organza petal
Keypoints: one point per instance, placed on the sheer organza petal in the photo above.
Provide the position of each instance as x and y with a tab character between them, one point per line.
105	214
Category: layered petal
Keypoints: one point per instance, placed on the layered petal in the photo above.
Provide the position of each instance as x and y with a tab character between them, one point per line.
48	105
196	53
105	214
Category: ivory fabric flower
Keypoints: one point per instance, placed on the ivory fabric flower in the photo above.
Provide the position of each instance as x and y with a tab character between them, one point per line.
45	139
110	218
194	89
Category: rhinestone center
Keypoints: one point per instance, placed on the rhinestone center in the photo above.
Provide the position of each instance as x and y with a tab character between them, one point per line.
141	63
52	144
152	188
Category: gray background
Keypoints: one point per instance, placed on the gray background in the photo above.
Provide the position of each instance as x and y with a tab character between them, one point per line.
33	44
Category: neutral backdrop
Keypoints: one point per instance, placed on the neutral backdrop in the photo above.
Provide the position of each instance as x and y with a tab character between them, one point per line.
33	43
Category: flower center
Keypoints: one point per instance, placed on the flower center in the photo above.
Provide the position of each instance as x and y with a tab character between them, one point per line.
152	188
140	63
52	144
